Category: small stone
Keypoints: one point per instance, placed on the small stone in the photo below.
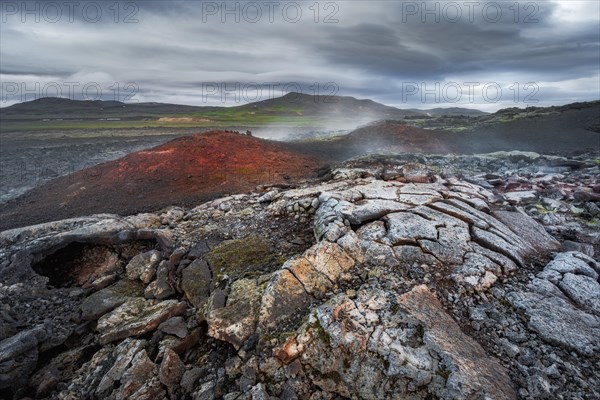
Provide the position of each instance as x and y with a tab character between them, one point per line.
189	380
259	392
584	248
225	206
198	250
522	196
584	195
174	326
143	266
206	391
141	371
176	257
268	197
160	288
104	281
171	372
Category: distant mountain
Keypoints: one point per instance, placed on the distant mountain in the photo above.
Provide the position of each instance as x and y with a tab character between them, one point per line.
56	107
295	104
313	105
450	111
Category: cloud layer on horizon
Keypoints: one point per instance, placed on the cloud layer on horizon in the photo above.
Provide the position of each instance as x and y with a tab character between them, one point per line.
391	52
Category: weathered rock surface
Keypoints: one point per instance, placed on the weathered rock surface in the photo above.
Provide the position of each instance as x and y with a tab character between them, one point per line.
171	372
109	298
195	282
236	321
162	287
409	346
302	280
136	317
175	326
143	266
563	303
19	356
391	280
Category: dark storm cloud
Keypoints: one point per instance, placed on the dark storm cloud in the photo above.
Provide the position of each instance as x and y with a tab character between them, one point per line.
378	49
374	49
435	50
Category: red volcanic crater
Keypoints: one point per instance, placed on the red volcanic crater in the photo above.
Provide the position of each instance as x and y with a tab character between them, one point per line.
185	171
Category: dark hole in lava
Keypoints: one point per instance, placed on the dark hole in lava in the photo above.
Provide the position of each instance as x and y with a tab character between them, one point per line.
79	264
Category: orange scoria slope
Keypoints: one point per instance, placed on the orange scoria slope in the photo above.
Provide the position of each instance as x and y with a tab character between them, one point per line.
185	171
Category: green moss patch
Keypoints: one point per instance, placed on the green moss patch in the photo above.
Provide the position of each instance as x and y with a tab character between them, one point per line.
240	258
322	334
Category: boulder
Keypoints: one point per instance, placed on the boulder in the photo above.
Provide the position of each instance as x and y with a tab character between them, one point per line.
174	326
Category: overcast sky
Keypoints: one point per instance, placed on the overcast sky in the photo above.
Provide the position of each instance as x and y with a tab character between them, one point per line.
476	54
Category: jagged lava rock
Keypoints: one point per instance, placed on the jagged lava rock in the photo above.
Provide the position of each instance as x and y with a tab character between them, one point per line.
420	286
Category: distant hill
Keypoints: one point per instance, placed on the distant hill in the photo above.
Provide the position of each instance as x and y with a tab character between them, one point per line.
572	127
342	106
385	136
393	136
291	110
450	111
562	129
565	128
292	104
56	107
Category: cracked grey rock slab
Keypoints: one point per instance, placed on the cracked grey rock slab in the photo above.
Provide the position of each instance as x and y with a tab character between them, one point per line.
527	229
573	262
371	209
413	352
558	322
583	290
563	304
448	227
406	227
